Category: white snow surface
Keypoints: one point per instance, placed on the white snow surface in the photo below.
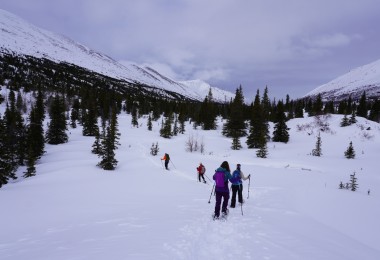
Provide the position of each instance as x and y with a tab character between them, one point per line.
23	38
293	208
366	77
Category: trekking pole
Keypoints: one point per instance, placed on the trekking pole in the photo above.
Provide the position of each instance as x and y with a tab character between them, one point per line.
173	164
249	182
241	188
211	192
207	177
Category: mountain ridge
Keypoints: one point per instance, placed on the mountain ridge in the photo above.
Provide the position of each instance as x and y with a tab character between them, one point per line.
354	83
22	38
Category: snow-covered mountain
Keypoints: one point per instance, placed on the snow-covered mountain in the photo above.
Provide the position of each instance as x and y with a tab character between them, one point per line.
22	38
365	78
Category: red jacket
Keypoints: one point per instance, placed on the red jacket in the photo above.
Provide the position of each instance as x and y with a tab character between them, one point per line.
199	169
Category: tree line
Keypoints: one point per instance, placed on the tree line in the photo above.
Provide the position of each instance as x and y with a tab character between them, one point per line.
75	97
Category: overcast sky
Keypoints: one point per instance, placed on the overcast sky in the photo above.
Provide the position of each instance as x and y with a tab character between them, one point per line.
291	46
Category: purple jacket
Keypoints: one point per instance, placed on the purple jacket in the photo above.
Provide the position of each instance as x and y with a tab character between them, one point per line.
227	177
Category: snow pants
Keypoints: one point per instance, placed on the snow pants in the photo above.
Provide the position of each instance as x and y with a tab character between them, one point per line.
200	175
219	195
239	190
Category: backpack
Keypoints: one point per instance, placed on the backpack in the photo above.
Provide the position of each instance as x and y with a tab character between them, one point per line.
219	179
167	158
236	179
203	169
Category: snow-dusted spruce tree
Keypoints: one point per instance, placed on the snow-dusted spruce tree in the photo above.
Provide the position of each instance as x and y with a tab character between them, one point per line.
134	120
318	147
262	152
166	129
96	146
56	133
353	118
149	124
345	121
350	152
353	182
259	127
235	125
280	133
110	144
236	145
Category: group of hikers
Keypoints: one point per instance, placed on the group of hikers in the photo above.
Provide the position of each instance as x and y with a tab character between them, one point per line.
221	177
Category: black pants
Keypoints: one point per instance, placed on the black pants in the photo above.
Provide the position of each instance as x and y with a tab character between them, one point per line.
166	164
239	190
201	176
219	195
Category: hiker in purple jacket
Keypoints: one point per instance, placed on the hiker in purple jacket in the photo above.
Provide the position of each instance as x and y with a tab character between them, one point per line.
221	177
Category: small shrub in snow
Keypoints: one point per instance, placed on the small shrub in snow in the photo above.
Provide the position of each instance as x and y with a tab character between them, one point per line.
154	149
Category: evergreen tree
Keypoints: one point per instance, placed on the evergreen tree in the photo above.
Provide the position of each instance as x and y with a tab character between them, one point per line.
175	125
259	127
236	145
266	106
318	147
31	161
108	161
35	140
262	152
96	146
110	143
298	110
352	118
90	120
345	121
317	106
280	133
207	113
354	182
342	107
135	122
362	107
40	107
329	108
6	158
56	133
166	129
182	119
16	133
350	152
149	124
235	125
374	113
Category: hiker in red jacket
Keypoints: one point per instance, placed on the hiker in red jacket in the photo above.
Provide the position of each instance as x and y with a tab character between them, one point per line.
201	171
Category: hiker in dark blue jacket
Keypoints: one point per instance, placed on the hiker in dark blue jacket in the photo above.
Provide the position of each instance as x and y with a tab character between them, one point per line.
221	177
237	185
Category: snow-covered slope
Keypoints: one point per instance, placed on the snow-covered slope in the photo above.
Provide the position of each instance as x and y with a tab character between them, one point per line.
23	38
365	78
293	207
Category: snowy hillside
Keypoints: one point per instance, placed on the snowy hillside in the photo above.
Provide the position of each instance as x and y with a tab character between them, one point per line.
293	208
365	78
23	38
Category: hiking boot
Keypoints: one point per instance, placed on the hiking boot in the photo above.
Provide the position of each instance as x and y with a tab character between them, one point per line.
215	217
225	212
232	206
